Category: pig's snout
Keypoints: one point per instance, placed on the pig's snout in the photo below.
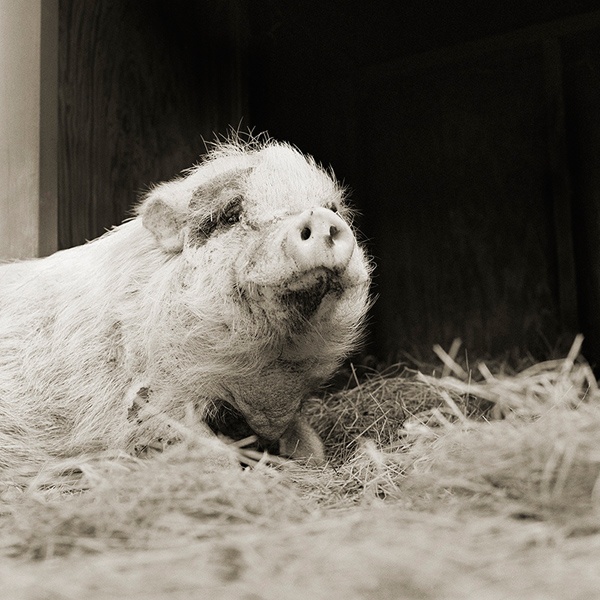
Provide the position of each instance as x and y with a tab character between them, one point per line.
319	238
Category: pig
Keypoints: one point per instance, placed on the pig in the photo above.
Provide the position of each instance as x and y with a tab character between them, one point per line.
237	288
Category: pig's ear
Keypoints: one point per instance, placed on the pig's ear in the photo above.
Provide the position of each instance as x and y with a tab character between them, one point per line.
165	222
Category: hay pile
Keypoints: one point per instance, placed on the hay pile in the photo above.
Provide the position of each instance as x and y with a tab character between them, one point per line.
467	483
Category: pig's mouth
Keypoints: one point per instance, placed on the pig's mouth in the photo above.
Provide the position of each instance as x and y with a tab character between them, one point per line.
305	292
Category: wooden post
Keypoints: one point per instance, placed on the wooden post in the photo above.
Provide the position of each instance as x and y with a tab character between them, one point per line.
48	190
560	185
28	100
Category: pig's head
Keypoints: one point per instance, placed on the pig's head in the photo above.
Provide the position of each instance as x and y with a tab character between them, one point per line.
269	287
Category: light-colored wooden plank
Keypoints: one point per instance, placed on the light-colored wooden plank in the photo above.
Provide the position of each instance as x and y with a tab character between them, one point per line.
20	25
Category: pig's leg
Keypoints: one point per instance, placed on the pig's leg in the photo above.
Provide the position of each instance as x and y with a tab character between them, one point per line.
156	431
301	441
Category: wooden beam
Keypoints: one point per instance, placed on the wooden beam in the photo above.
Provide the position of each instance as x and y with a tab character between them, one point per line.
560	184
28	101
19	127
48	191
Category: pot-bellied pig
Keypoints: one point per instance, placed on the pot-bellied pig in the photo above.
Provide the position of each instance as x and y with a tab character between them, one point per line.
239	284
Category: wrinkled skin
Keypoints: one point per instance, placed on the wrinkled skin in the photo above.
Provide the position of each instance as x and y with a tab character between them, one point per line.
240	284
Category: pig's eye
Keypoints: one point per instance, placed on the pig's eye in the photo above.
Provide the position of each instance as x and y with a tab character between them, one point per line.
228	216
232	212
332	207
207	227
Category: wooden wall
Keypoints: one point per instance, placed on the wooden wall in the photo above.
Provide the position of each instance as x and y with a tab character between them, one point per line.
141	85
581	64
469	134
456	162
19	128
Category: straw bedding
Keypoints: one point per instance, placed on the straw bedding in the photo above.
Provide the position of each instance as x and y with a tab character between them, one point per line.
470	483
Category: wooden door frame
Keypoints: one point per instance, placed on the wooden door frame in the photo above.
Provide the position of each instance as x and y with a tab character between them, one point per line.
48	190
28	128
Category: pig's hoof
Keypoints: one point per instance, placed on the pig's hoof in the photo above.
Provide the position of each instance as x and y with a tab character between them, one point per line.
215	456
300	441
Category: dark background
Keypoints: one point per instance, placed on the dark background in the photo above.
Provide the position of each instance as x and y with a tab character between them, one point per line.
468	132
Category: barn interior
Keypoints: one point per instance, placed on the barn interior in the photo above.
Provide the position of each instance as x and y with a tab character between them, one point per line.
468	134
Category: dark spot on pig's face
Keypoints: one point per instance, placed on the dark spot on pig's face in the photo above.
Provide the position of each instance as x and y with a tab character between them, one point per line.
214	223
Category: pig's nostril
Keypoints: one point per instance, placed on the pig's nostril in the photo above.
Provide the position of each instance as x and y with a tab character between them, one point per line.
319	238
305	233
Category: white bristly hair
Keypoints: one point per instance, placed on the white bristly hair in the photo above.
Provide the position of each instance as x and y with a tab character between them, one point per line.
177	307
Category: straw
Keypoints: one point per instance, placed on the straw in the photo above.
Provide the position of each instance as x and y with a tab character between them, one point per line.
470	484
